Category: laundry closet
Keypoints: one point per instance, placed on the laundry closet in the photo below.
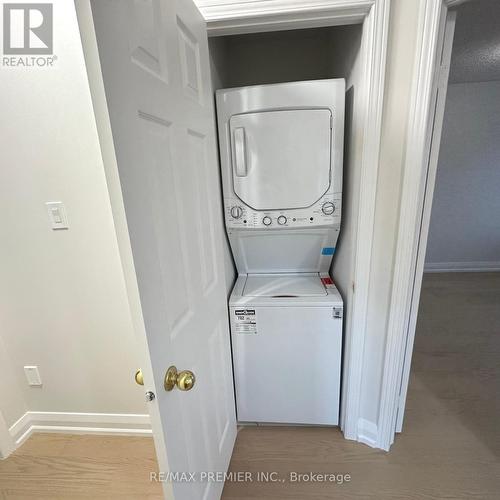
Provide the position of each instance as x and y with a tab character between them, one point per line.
288	317
234	324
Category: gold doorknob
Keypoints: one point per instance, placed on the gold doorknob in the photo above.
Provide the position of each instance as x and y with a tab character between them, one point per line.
184	380
139	379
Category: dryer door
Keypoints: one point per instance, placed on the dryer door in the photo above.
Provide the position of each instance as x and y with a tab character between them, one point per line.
281	159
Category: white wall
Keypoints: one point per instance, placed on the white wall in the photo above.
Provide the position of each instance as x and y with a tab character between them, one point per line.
282	56
218	73
346	40
62	293
465	228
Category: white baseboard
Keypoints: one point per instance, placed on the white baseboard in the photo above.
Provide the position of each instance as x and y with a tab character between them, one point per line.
460	267
368	433
125	424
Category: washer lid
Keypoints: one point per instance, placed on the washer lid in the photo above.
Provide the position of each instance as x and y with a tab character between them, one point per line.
281	159
284	285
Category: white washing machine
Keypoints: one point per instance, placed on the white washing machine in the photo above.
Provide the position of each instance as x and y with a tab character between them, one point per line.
281	152
286	336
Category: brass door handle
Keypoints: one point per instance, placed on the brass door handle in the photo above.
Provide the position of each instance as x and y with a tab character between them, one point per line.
139	379
184	380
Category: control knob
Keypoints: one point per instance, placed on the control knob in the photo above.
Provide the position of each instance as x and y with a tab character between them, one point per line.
267	221
328	208
281	220
236	212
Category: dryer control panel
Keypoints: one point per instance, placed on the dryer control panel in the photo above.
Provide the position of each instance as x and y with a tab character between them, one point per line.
325	212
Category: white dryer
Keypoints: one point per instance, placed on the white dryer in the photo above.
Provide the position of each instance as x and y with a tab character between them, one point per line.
281	150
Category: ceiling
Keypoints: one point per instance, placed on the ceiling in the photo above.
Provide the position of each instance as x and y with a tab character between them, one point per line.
476	46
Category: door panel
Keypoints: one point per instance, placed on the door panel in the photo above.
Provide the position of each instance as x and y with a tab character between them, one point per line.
145	27
154	60
189	54
200	176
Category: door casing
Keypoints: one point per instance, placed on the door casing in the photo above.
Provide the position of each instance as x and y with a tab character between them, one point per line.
435	27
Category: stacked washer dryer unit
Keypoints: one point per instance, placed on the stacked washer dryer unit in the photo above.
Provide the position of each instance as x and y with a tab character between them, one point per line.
281	152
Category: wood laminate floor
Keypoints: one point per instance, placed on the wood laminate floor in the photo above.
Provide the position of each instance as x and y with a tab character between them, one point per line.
64	467
450	447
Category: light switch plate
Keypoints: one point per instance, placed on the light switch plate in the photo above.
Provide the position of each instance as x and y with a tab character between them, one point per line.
33	376
57	214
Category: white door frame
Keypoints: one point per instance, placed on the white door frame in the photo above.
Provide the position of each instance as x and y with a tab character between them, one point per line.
226	17
419	172
434	147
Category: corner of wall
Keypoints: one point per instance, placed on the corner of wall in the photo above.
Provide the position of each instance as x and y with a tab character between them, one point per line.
6	442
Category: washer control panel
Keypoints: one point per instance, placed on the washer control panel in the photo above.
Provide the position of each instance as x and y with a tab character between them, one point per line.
326	211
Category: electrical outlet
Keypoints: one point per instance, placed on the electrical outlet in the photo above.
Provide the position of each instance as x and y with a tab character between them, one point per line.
33	376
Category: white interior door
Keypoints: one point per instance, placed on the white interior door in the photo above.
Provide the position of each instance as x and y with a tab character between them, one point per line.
154	60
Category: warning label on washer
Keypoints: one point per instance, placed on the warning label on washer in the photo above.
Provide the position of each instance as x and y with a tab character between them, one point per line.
245	321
